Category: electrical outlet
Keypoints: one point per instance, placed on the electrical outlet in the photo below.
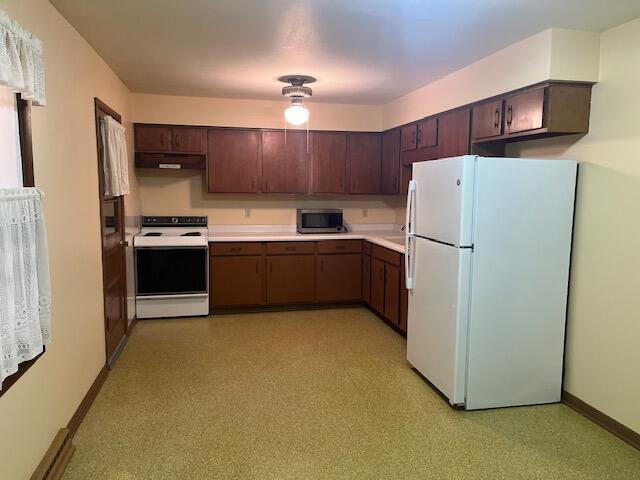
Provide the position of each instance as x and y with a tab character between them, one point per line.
247	212
365	212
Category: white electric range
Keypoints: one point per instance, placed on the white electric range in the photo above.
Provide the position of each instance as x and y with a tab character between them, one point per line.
172	267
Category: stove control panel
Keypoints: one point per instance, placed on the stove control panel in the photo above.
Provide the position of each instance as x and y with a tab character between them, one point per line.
174	221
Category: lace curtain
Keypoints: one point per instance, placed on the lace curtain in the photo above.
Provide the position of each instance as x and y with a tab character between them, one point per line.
25	296
114	157
21	65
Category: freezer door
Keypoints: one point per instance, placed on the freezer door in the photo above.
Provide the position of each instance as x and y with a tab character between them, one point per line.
443	203
438	316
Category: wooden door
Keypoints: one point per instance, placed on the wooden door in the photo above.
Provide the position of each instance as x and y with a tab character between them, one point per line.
290	279
364	155
152	138
233	161
114	272
339	277
487	120
236	281
285	162
189	140
329	160
390	176
392	293
408	138
377	285
366	279
524	111
453	133
427	133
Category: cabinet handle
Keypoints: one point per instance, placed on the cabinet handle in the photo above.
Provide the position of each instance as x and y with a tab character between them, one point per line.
496	120
236	249
340	247
177	138
257	266
162	139
419	138
290	249
509	115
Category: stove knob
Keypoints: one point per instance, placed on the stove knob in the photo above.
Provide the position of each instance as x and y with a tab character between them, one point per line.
174	220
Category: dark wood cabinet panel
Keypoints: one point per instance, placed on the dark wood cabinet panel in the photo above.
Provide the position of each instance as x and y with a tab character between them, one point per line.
189	140
392	293
290	279
386	255
236	281
453	133
427	133
339	277
487	120
233	161
377	285
288	248
390	170
152	138
236	248
340	246
285	162
364	154
329	162
408	137
366	278
524	111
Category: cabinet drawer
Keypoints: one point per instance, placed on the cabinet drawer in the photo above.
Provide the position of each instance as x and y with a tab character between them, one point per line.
236	248
386	255
366	247
340	246
286	248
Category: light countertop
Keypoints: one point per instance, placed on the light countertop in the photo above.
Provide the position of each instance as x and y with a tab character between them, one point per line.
393	240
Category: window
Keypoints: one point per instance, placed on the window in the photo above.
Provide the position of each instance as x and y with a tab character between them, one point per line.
10	154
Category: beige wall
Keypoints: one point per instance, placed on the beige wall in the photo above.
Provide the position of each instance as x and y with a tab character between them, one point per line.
603	353
552	54
64	142
183	193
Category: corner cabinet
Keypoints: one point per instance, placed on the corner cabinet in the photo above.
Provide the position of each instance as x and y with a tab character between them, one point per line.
234	161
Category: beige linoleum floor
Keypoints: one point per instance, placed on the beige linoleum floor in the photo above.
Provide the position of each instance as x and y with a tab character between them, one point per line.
313	395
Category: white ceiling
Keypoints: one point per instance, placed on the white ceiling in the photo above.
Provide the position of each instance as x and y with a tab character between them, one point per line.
361	51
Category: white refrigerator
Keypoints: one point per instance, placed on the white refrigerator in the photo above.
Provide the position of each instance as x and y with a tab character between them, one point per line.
488	247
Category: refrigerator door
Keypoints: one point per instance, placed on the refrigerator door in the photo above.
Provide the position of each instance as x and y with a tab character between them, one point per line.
438	316
443	203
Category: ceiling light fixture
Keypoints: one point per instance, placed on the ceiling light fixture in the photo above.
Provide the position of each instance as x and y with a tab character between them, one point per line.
296	114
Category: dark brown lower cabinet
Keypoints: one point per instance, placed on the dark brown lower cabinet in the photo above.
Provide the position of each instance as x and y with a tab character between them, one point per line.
290	279
237	281
339	277
386	296
377	285
392	293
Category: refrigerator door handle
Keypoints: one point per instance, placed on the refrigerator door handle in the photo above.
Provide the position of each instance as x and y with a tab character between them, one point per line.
408	235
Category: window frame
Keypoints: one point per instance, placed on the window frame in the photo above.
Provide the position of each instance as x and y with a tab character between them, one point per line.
26	150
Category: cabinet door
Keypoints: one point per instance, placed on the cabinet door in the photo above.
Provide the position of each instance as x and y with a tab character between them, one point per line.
285	162
408	138
364	154
487	120
152	138
524	111
329	160
377	285
390	180
234	161
453	133
339	277
290	279
366	278
428	133
189	140
236	280
392	293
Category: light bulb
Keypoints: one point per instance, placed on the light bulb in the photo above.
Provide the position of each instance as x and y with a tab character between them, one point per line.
296	114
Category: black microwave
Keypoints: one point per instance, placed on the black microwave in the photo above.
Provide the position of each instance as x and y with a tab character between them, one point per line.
320	220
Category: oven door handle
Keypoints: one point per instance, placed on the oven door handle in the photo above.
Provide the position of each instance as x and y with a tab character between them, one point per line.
172	295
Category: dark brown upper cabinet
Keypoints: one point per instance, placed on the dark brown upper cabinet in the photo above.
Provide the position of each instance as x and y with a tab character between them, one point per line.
427	133
409	137
285	162
364	155
390	173
234	164
160	138
487	120
329	162
453	133
524	111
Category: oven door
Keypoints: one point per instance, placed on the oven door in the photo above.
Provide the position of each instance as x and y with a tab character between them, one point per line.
171	270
